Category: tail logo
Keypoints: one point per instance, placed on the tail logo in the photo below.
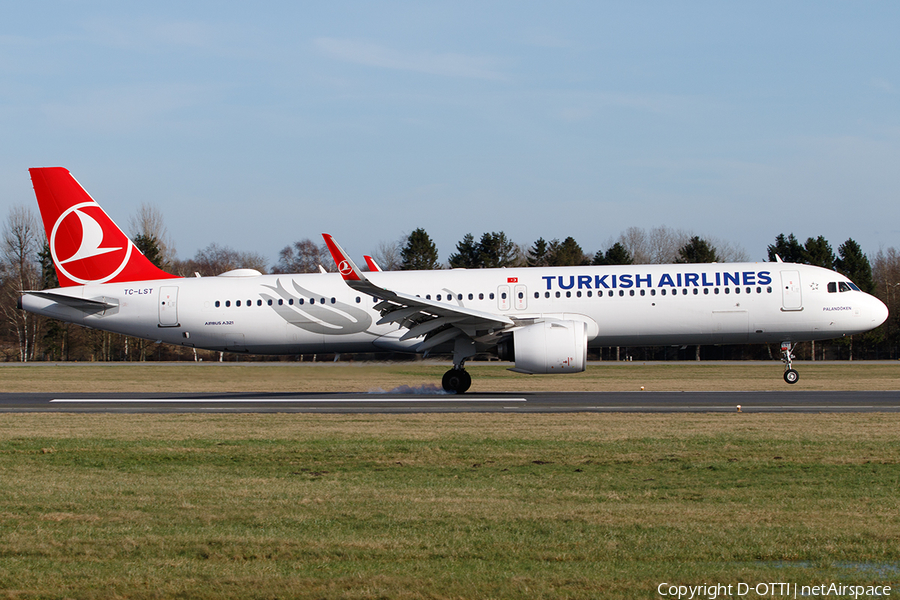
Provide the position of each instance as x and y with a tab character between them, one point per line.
81	248
345	268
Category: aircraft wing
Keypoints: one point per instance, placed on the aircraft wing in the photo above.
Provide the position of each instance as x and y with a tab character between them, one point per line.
370	262
438	322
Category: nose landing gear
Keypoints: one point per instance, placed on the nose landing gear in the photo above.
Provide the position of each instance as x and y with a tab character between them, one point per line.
790	375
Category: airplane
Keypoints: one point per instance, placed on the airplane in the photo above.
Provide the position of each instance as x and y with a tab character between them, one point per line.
542	319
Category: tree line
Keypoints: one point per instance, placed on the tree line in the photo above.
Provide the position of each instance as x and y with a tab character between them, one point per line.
26	264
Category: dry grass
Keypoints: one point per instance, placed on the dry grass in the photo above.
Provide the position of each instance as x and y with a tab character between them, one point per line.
363	377
441	505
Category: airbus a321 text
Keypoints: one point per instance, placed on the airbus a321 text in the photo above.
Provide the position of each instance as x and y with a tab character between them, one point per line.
543	319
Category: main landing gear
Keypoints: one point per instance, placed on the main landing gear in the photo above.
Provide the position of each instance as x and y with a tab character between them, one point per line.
457	380
790	375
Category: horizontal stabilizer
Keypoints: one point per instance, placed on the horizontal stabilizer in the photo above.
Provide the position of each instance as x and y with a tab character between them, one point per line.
84	304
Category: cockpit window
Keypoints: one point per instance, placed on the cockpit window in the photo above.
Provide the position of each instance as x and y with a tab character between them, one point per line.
842	286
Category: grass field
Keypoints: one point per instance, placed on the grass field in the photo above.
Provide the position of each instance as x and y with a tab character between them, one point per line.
487	377
436	506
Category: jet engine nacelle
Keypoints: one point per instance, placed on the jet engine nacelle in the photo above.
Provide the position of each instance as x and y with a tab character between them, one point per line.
548	347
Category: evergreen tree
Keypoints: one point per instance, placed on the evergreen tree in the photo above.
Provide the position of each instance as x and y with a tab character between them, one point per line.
420	253
853	263
467	254
697	250
567	253
495	250
538	254
818	252
616	255
49	279
149	247
788	249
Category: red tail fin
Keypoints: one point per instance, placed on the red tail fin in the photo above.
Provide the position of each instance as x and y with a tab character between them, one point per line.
86	246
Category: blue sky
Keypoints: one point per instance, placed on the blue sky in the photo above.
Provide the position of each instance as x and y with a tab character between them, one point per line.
254	126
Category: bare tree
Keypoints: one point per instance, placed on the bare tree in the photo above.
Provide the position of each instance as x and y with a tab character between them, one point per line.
634	240
658	246
216	259
147	224
303	256
22	239
729	251
388	256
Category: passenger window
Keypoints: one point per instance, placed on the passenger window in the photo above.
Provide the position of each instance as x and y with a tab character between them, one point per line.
259	302
481	296
759	290
557	294
227	303
291	301
696	291
568	294
428	296
590	293
280	302
521	295
503	295
491	296
662	292
358	299
217	304
546	294
537	295
459	296
643	292
471	296
237	303
631	292
249	302
621	293
653	292
333	301
769	289
438	297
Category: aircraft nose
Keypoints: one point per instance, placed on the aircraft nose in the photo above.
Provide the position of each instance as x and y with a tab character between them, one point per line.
879	312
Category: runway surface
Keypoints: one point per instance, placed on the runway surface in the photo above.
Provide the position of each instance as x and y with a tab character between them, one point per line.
543	402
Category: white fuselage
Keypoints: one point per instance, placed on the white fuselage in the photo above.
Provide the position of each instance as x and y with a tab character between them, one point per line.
622	306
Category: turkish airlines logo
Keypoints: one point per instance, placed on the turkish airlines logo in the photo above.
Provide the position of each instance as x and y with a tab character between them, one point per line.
345	268
86	246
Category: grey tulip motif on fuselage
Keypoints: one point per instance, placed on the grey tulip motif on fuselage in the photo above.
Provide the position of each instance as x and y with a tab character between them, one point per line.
314	313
